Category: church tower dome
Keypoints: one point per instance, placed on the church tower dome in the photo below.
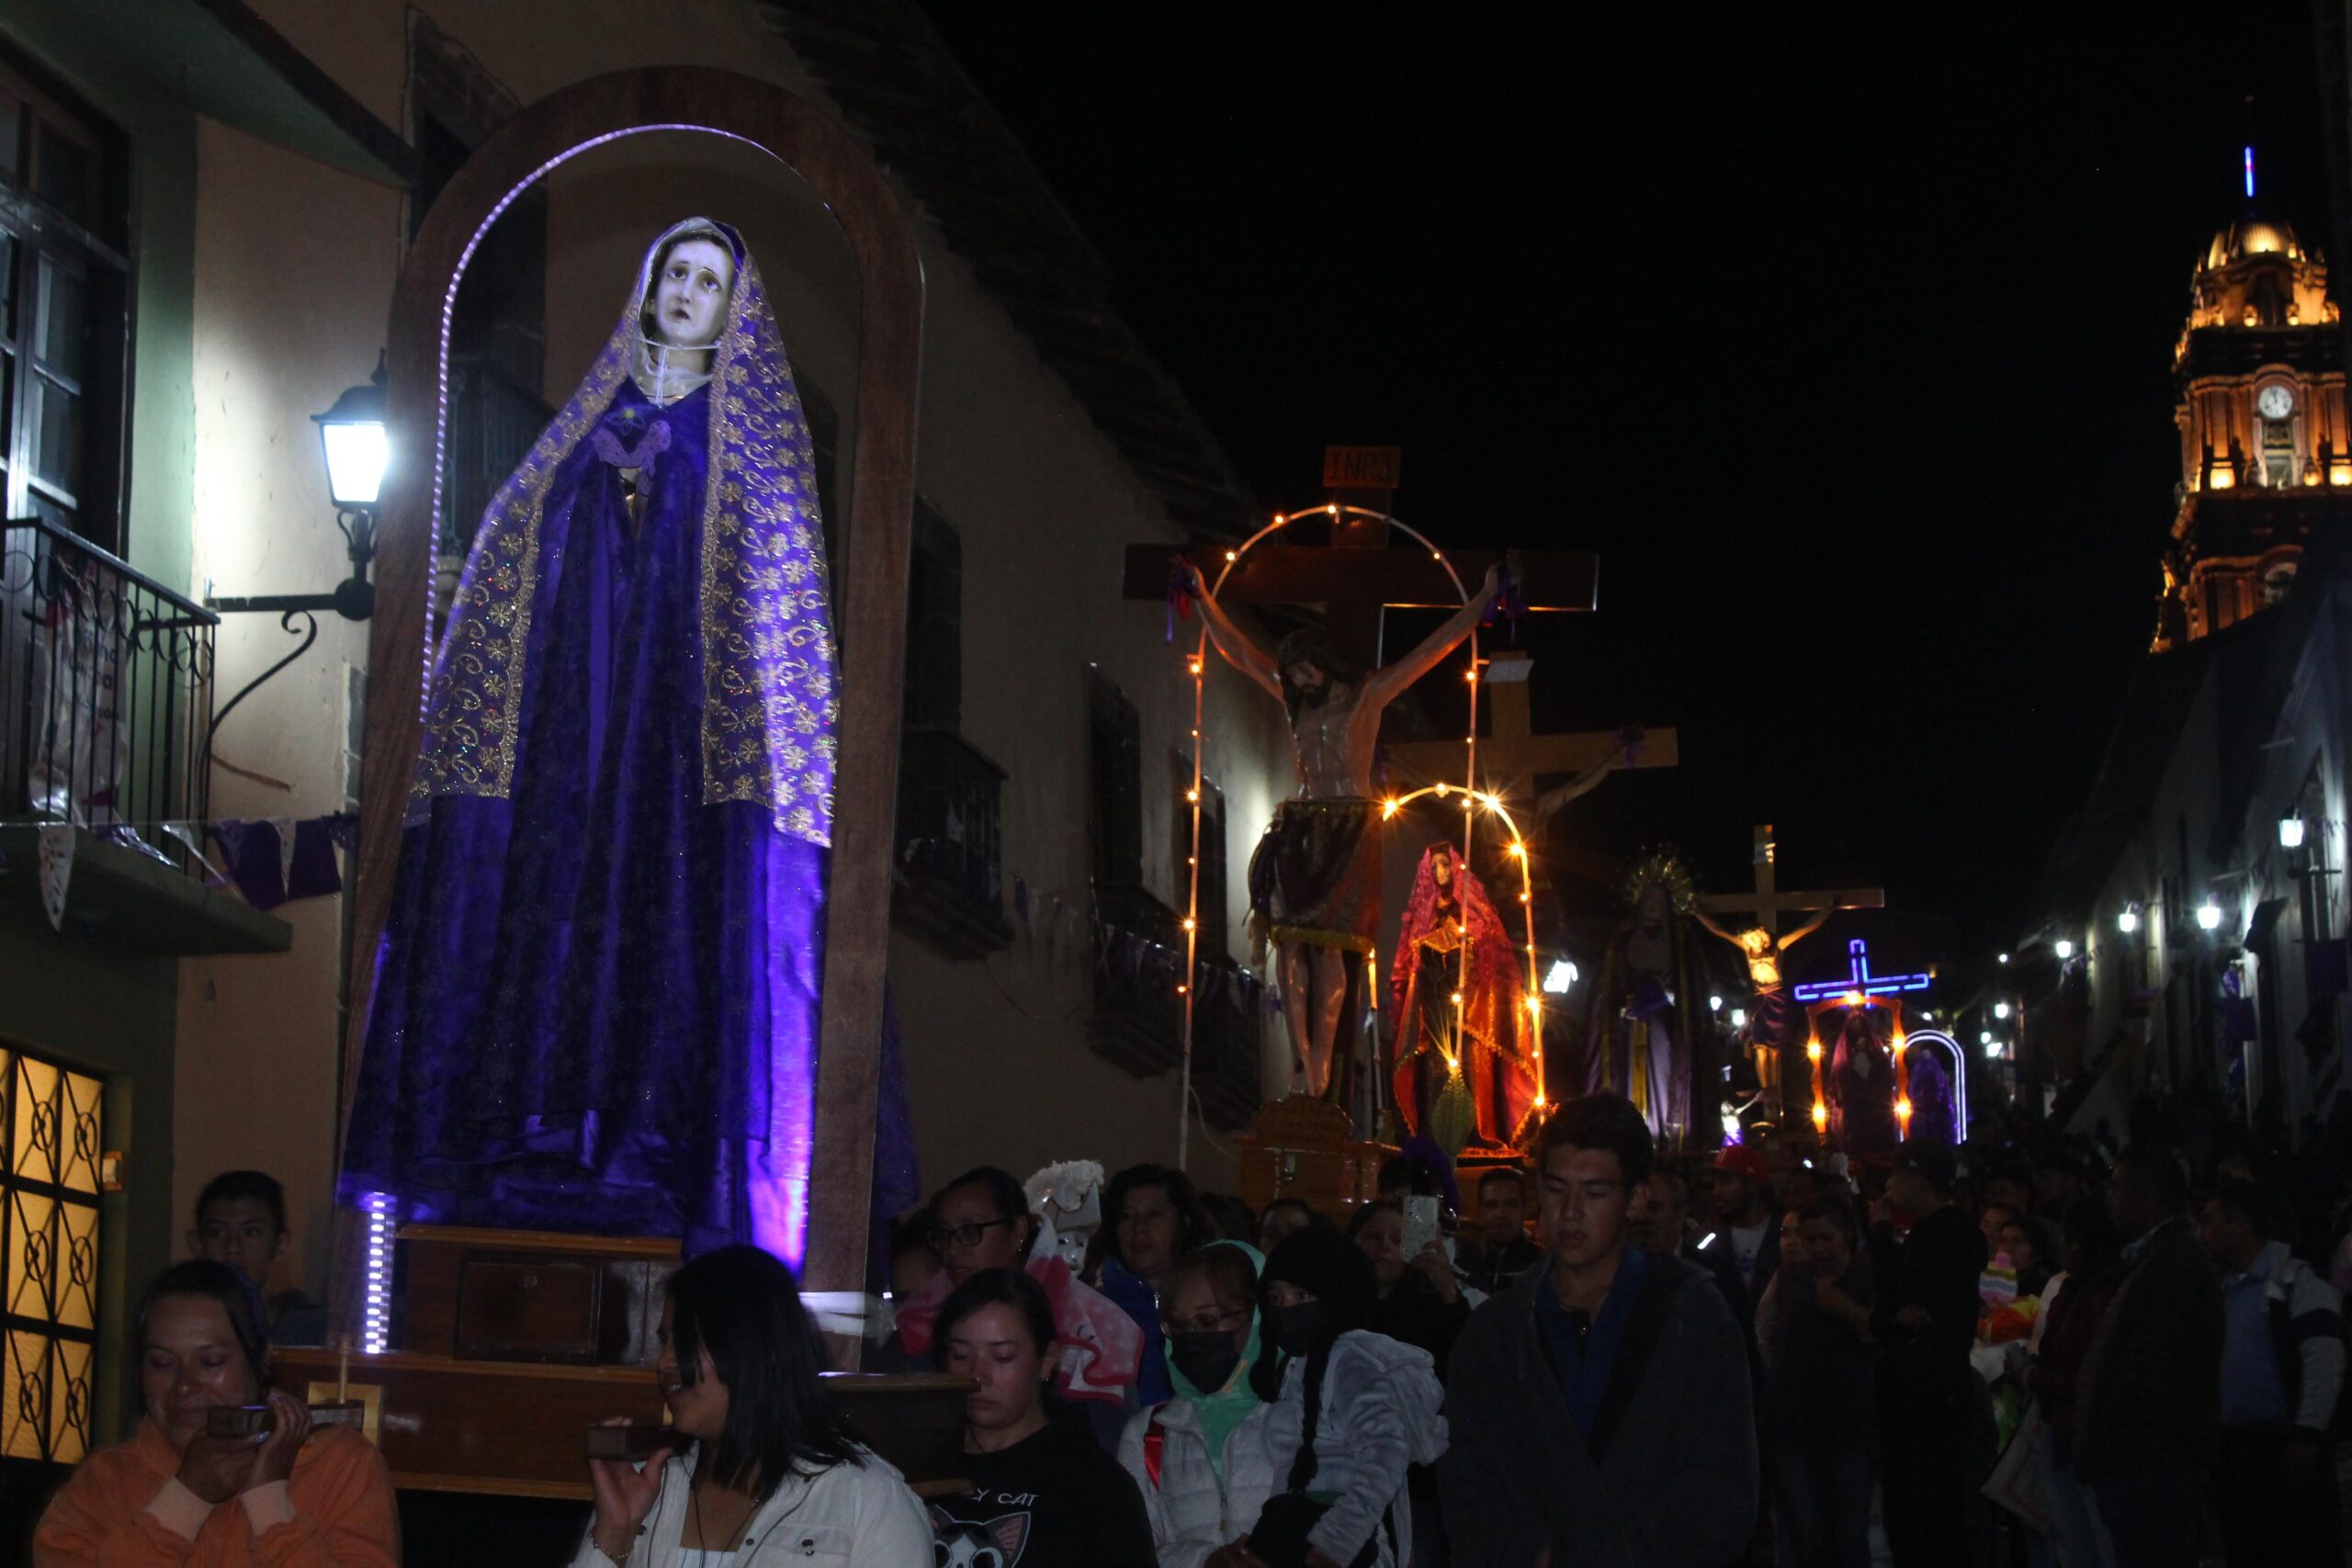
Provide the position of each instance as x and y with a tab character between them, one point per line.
2266	452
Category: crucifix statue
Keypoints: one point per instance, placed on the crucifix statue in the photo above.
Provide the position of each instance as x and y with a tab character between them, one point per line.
1769	1019
1315	879
1330	871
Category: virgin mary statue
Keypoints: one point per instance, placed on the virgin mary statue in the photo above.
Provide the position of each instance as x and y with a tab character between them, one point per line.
596	998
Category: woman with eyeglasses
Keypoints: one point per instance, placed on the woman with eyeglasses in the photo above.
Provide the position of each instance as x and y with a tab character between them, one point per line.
1199	1456
981	1221
1043	1494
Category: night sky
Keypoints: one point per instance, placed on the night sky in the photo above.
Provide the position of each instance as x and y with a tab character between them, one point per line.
1845	344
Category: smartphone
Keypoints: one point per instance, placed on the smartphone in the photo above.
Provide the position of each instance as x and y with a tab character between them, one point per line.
244	1420
1421	1225
631	1442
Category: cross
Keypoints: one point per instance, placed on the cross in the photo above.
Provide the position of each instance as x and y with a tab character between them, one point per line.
1860	979
1357	577
1511	755
1767	903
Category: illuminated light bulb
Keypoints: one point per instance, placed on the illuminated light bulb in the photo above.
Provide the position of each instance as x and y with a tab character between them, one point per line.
1440	789
2128	921
1739	1018
1468	801
1715	1004
1388	808
1332	510
1192	795
2208	915
1985	1037
1900	1039
1470	676
1993	1050
1233	555
1820	1115
1527	897
2005	958
1519	849
1188	923
2064	949
1181	990
1494	803
1457	999
1539	1099
1560	977
1280	519
1812	1050
1853	998
1534	1004
1903	1108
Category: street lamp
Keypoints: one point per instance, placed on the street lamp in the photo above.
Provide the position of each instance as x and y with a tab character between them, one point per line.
352	443
2064	949
2291	832
1562	975
2208	915
2001	1009
2127	919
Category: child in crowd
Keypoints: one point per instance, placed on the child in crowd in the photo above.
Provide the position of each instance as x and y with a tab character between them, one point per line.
241	1221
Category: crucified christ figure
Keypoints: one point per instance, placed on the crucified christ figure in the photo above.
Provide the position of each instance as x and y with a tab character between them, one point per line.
1771	1018
1315	879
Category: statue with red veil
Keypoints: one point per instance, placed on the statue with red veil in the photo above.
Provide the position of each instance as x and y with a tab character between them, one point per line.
1463	1072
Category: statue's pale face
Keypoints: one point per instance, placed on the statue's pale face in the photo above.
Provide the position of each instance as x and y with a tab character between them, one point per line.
690	296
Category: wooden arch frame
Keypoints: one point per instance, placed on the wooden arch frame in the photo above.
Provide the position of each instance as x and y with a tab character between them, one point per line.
874	542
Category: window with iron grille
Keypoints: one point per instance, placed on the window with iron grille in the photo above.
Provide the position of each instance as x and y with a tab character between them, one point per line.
50	1141
64	287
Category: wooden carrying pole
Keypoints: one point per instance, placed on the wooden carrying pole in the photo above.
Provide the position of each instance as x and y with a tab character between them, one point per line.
871	623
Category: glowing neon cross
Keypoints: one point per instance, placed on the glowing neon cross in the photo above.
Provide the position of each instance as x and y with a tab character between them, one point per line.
2249	173
1859	978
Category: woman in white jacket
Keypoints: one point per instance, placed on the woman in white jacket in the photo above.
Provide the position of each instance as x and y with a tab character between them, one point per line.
1200	1458
1366	1405
771	1475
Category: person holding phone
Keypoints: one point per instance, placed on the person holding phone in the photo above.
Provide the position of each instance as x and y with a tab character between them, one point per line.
290	1497
771	1474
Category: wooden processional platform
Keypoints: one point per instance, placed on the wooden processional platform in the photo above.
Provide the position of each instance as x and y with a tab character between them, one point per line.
514	1343
1306	1149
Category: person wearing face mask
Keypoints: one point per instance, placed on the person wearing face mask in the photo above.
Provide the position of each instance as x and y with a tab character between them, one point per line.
1201	1457
1043	1494
295	1496
1352	1411
770	1475
1151	1217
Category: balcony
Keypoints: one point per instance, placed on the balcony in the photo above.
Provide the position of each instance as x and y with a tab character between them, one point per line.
1229	1020
1137	1021
106	708
950	884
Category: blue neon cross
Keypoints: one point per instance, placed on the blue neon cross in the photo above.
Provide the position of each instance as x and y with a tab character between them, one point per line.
1858	953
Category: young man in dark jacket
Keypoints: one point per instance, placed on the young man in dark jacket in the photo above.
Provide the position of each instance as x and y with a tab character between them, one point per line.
1929	1256
1598	1410
2148	1404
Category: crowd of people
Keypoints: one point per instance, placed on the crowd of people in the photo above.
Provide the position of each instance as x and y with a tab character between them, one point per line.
1757	1356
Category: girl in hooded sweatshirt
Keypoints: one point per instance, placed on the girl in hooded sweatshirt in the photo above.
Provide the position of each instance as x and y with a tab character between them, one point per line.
1199	1456
1351	1410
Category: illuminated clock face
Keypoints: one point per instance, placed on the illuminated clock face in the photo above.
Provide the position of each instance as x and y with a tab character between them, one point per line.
2275	402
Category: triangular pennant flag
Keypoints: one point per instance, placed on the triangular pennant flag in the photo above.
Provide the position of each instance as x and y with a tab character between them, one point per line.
56	870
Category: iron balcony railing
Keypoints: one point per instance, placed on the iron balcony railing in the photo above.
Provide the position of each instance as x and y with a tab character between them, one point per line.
493	423
951	817
106	694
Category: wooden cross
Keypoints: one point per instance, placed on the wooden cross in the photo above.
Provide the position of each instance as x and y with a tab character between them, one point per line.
1767	903
1511	755
1357	577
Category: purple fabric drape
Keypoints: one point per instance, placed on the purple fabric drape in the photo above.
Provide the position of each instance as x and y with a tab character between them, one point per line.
597	994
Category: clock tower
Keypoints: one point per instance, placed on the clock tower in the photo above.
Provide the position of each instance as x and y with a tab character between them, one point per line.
2266	455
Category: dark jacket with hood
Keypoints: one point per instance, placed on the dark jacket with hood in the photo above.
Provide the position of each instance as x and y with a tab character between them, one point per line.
1668	1478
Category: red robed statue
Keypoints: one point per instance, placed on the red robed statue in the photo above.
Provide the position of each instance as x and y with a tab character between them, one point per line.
1463	1072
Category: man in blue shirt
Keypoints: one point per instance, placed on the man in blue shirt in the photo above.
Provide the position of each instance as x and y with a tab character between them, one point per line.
1599	1411
2282	1373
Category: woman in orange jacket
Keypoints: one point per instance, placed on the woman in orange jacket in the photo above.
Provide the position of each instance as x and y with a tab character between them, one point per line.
173	1496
